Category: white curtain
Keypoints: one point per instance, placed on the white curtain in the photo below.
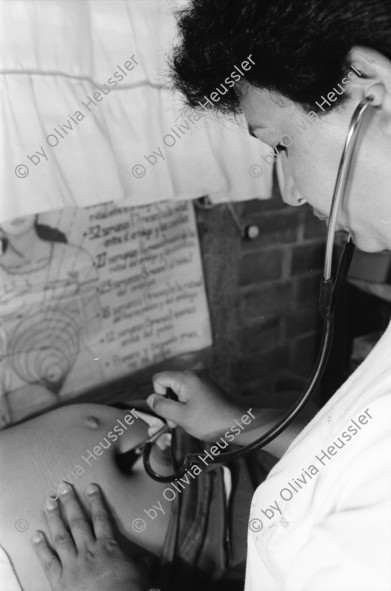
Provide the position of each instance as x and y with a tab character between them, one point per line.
63	145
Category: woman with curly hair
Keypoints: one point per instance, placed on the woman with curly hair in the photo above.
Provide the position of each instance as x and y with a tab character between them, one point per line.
322	519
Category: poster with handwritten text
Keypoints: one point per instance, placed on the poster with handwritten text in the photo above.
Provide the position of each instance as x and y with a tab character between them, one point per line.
90	295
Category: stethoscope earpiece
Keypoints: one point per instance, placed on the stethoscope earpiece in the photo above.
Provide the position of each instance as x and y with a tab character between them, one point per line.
376	94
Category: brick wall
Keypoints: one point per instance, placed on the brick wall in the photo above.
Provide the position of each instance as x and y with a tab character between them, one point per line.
263	294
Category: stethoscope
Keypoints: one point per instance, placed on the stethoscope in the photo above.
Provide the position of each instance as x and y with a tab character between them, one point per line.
329	291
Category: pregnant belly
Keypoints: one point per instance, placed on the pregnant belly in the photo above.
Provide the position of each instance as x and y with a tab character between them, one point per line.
73	443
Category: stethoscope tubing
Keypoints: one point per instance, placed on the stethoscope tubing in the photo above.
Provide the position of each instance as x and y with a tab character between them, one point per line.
343	176
327	301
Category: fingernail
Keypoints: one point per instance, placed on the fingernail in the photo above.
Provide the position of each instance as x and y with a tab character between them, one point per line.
63	488
37	537
91	489
50	504
150	400
165	441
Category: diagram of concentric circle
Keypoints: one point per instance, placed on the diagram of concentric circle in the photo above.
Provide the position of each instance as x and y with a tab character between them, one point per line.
43	348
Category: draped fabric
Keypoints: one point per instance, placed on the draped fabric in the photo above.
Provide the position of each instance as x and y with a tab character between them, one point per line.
88	113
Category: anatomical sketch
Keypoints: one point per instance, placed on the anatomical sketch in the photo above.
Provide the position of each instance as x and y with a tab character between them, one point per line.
49	314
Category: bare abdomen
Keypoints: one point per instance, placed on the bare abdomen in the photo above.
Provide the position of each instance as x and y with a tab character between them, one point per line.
73	443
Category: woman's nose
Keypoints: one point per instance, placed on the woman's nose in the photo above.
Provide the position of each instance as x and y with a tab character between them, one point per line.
288	189
294	198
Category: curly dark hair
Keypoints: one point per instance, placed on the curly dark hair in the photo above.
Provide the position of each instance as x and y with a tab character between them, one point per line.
299	47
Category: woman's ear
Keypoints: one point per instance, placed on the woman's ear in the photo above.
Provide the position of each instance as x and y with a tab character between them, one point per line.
370	63
375	79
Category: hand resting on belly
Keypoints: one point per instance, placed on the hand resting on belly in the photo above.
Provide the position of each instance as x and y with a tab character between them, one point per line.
73	443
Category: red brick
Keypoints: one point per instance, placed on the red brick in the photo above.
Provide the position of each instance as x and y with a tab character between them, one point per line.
307	258
277	227
261	336
260	206
307	290
302	320
261	266
314	227
266	301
